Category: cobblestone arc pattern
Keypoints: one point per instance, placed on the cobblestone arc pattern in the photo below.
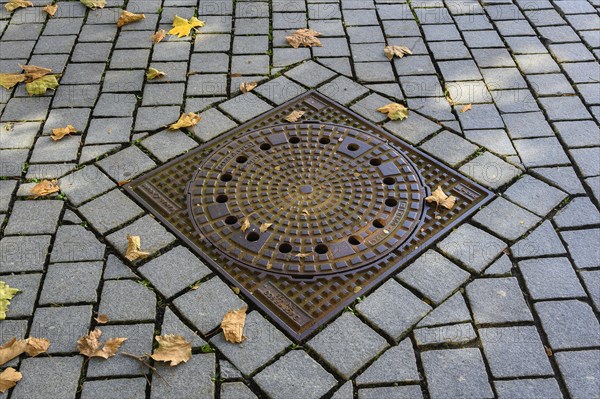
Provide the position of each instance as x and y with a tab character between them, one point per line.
302	294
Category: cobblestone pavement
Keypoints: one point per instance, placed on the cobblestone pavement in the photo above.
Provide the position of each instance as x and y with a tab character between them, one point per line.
507	305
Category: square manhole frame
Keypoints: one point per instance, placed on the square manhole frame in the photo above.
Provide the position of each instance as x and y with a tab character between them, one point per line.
281	310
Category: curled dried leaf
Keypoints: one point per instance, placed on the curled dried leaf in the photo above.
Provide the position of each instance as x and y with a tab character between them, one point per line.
246	87
10	80
264	227
127	17
93	4
59	133
441	199
303	255
245	224
101	319
172	348
235	289
466	108
133	251
33	72
35	346
398	51
394	111
50	9
6	294
304	37
45	187
90	345
233	325
183	27
14	4
294	116
154	73
9	378
159	36
15	347
186	120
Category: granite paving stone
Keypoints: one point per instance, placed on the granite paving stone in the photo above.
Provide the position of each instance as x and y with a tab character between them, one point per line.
280	90
401	392
193	377
212	124
74	243
127	300
413	129
126	164
66	283
456	334
569	324
578	212
434	276
84	184
39	377
506	219
582	247
34	217
347	344
397	364
563	177
168	144
449	147
551	84
131	388
580	371
587	160
591	280
110	211
174	271
368	106
495	140
346	391
63	326
564	108
481	116
22	305
46	150
550	278
528	388
59	118
172	324
497	300
236	390
527	125
535	195
23	253
153	235
310	74
295	372
244	107
490	170
18	135
263	342
452	310
542	241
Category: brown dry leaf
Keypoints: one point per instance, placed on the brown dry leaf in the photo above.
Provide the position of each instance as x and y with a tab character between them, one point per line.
548	351
294	116
101	319
466	108
398	51
45	187
93	4
245	224
33	72
172	348
128	17
123	182
304	37
61	132
264	227
441	199
14	4
196	285
10	80
90	345
357	289
233	325
186	120
246	87
9	378
303	255
394	111
159	36
236	290
15	347
133	248
154	73
235	75
50	9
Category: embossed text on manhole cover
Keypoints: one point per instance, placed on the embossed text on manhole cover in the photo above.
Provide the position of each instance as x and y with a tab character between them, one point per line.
305	217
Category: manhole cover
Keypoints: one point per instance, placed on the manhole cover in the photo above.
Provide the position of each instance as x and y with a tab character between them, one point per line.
305	217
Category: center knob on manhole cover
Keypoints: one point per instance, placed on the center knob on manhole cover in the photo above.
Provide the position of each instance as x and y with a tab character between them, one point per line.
306	199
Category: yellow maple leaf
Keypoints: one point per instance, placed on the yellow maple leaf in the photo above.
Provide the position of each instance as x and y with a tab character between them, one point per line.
93	4
59	133
50	9
45	187
172	348
9	378
154	73
6	294
394	111
14	4
39	86
10	80
186	120
182	27
233	325
127	17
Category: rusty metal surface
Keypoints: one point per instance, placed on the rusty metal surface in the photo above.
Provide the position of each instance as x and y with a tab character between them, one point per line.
305	217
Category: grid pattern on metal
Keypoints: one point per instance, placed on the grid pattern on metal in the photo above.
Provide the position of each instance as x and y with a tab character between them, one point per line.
305	217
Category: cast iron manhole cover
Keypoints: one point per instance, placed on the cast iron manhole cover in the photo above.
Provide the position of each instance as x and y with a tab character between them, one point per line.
305	217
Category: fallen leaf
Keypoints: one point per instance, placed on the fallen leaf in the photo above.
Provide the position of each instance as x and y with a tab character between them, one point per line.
159	36
154	73
264	227
101	319
357	289
123	182
128	17
246	87
50	9
294	116
466	108
304	37
394	111
245	224
196	285
14	4
398	51
441	199
133	248
450	100
548	351
6	294
41	85
10	80
59	133
269	265
303	255
182	27
235	75
45	187
9	378
306	212
90	345
172	348
93	4
8	126
15	347
186	120
33	72
236	290
233	325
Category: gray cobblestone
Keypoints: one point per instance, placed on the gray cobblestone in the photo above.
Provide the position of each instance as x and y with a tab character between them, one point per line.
580	371
569	324
551	278
110	210
401	392
236	390
497	300
398	364
413	129
43	383
535	195
173	325
541	241
579	212
506	219
245	107
71	283
22	305
153	235
580	244
132	388
23	253
63	326
456	334
528	388
34	217
587	160
126	164
127	301
84	184
193	377
166	144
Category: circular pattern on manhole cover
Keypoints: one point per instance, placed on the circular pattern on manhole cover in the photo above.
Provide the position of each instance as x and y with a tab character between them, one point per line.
306	199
